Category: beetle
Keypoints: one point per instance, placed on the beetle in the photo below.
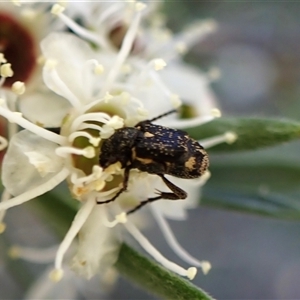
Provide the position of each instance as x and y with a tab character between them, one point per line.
154	149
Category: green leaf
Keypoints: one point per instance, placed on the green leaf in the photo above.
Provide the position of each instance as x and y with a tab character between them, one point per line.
60	211
265	182
155	278
253	133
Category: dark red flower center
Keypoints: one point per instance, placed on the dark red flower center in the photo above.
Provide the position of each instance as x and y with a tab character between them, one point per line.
18	46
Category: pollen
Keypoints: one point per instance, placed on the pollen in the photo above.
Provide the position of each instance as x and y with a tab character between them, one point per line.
191	273
50	64
215	112
2	227
57	9
56	275
206	266
230	137
6	70
181	47
18	87
2	58
159	64
99	69
175	100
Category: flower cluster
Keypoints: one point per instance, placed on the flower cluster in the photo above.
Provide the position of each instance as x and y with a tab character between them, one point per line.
96	81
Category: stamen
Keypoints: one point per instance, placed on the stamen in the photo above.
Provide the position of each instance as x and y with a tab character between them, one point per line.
2	58
107	13
2	227
121	218
97	116
92	140
88	152
185	40
18	119
81	31
6	71
57	9
173	243
60	87
142	240
159	64
36	255
18	87
124	51
4	197
56	275
99	69
37	191
213	74
227	137
175	100
3	143
187	123
77	224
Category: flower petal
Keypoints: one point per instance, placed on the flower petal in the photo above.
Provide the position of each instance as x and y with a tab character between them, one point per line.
29	161
97	246
190	85
46	109
70	54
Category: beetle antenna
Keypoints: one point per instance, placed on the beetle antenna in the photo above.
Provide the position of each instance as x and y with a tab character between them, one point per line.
163	115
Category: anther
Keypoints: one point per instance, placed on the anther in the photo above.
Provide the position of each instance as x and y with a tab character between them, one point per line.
18	87
159	64
50	64
89	152
139	6
214	73
175	100
57	9
6	71
14	252
99	69
56	275
191	273
2	227
16	2
2	58
230	137
206	266
107	97
181	47
216	113
121	218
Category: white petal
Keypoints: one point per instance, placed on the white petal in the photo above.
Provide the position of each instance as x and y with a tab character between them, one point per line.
190	85
46	109
18	173
70	53
97	246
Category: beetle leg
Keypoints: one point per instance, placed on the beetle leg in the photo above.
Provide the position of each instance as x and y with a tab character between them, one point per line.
123	189
177	194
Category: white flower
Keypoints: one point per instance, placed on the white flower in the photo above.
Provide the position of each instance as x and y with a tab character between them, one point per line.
107	24
96	99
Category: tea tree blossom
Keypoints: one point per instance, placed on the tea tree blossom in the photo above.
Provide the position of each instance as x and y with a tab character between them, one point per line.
107	24
96	97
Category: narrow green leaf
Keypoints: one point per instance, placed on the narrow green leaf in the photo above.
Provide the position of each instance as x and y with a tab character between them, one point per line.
253	133
154	278
254	186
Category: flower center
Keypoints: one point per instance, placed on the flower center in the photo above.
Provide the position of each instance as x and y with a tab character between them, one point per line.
18	47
